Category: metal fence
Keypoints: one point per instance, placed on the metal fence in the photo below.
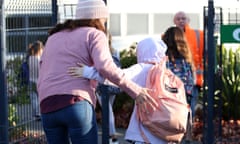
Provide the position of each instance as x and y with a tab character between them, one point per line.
220	109
23	23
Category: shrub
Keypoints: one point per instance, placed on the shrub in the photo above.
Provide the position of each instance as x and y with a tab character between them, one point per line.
17	93
230	87
123	106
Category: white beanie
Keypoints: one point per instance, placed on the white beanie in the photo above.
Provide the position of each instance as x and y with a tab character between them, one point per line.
91	9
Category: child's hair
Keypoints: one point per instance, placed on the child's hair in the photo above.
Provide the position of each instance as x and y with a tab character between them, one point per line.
177	45
35	47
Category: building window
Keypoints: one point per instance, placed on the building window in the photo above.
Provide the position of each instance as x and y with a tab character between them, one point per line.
137	24
162	22
115	24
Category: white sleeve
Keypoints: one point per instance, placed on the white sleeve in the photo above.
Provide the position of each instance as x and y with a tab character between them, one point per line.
92	73
131	73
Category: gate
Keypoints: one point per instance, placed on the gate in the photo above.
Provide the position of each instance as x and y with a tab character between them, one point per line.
23	23
221	111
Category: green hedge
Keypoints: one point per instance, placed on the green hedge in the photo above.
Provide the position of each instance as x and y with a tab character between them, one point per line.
230	87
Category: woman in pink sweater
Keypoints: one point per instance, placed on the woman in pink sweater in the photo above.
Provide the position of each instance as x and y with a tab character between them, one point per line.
67	103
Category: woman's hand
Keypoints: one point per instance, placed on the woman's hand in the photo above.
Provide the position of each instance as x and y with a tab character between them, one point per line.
76	71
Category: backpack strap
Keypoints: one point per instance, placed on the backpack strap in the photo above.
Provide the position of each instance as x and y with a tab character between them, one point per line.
141	131
142	134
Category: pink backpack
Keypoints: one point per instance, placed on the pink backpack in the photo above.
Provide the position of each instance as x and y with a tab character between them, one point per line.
169	120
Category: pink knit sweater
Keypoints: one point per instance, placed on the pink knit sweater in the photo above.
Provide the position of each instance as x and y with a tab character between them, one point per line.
65	49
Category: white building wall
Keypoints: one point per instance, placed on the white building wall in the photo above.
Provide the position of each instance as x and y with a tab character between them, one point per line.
159	12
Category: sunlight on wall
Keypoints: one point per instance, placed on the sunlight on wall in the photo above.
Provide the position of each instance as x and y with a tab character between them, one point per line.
166	6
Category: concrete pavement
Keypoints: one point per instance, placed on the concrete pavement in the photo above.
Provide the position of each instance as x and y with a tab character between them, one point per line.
120	135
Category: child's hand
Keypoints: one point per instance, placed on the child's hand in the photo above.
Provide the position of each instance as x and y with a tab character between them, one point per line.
76	71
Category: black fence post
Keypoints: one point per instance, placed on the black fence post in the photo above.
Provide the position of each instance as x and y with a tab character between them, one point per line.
54	12
210	77
3	90
105	113
105	108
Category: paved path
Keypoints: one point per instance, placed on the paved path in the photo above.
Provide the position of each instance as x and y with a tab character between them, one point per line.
25	117
120	134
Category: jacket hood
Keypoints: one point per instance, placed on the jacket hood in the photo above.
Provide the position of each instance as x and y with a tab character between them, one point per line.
151	50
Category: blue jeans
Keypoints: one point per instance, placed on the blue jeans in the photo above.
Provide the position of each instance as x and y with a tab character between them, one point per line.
194	99
75	123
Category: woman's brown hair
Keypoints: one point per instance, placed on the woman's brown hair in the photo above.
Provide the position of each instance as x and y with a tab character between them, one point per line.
73	24
177	45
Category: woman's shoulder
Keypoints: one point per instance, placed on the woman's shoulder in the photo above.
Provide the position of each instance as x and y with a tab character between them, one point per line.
92	30
89	31
96	34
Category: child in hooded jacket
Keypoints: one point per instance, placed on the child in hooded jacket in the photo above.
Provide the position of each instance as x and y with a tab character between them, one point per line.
149	51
